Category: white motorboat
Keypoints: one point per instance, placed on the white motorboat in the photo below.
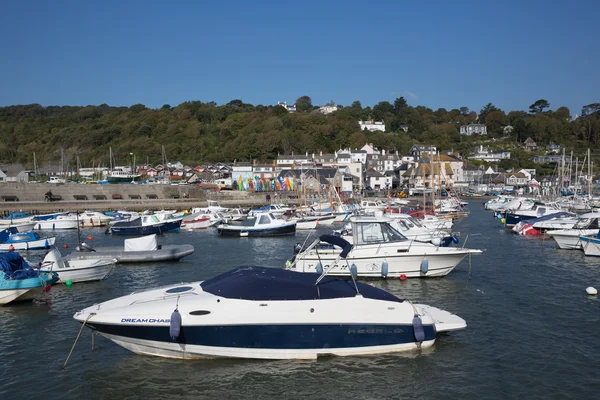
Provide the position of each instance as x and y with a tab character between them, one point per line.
569	239
66	221
77	270
15	218
414	230
378	251
91	219
211	208
267	313
590	245
200	220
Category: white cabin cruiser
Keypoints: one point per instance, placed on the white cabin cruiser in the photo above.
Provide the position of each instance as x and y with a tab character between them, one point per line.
569	239
378	251
267	313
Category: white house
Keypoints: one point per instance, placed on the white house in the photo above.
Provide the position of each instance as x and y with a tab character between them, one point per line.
285	105
483	153
372	125
377	180
473	129
328	109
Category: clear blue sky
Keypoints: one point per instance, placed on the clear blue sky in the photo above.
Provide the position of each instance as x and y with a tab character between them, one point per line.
435	53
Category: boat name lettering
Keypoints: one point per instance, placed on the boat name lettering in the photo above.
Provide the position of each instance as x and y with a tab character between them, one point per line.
145	320
374	331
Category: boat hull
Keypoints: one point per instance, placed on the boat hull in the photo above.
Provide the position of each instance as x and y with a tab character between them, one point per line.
146	230
590	246
165	253
370	266
569	240
31	245
18	295
78	271
56	224
237	231
267	341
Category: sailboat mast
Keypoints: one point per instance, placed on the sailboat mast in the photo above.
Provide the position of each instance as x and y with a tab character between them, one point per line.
589	175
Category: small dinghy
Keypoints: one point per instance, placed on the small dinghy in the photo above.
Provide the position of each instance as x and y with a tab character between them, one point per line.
77	270
19	281
267	313
12	239
142	249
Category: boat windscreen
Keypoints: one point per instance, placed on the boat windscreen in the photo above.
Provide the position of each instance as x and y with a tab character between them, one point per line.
261	284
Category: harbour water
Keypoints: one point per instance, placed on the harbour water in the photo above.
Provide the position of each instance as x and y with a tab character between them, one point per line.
532	330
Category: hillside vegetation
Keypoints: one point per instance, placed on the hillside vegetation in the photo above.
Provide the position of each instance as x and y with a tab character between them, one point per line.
195	132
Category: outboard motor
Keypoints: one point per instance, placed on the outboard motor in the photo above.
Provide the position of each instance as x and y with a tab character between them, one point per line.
85	247
53	259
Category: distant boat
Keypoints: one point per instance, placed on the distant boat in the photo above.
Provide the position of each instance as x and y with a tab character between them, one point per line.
265	224
145	225
122	176
11	239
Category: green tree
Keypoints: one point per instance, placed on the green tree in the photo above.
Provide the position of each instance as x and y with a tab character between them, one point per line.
304	103
488	108
539	106
399	104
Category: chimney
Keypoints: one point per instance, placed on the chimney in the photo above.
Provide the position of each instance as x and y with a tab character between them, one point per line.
254	162
321	154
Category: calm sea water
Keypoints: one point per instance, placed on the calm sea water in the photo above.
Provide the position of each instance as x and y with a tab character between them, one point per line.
532	331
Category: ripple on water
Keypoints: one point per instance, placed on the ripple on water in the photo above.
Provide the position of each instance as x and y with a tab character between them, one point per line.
532	331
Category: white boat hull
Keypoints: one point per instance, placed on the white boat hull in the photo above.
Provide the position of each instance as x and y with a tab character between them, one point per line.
83	271
56	224
34	244
590	247
190	352
306	225
14	295
569	239
369	265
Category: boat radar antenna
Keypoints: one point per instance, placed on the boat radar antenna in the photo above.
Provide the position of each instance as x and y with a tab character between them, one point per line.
346	248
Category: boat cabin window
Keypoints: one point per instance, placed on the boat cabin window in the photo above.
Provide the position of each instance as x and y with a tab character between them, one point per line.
586	223
264	219
151	218
402	225
415	222
376	232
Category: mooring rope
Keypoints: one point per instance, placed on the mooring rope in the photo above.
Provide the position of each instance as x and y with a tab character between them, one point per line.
77	338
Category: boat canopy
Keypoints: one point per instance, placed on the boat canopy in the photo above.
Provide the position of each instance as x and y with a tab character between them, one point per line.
144	243
262	284
15	267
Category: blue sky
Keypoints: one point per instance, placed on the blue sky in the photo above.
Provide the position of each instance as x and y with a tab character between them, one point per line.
434	53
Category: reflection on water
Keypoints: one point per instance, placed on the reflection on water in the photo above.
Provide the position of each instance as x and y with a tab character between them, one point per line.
532	331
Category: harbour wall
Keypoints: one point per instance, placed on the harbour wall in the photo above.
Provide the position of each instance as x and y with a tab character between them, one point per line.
110	197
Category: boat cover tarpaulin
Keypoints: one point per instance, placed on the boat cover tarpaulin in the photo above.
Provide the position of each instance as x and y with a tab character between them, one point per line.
144	243
260	283
15	267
